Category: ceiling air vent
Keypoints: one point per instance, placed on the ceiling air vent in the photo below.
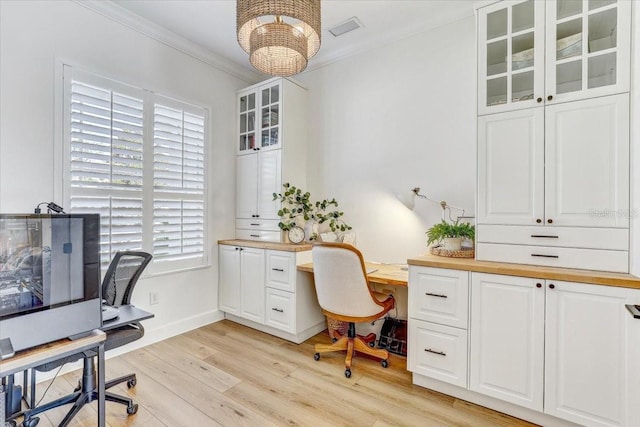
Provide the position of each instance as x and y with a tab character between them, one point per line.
345	27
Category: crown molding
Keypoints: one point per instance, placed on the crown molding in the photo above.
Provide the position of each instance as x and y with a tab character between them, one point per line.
143	26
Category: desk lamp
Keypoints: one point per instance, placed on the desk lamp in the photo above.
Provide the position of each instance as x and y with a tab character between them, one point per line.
409	200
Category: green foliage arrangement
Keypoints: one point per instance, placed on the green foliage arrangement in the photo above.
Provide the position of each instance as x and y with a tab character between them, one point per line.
296	203
444	229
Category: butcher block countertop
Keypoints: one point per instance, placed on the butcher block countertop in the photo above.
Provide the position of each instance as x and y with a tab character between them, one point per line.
522	270
276	246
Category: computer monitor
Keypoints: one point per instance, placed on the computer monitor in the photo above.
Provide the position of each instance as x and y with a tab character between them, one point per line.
49	277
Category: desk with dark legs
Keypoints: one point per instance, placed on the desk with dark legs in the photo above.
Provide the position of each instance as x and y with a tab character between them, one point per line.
27	359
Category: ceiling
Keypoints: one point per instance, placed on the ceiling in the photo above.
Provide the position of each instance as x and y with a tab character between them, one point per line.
211	24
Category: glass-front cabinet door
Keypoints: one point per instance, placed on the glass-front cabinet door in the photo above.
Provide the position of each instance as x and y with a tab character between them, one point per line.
247	122
510	56
270	101
587	48
259	116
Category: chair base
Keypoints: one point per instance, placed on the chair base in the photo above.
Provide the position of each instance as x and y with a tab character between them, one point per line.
353	344
85	393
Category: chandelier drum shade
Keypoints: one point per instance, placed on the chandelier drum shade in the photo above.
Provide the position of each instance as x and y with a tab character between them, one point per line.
279	35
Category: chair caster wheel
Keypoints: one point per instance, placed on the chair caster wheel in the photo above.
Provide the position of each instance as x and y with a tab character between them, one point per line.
333	340
316	356
132	383
372	344
347	373
132	409
32	422
385	363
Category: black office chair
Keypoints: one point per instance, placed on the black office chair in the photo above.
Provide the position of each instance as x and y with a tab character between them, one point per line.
121	277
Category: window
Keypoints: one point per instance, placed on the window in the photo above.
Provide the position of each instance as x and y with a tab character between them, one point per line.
138	159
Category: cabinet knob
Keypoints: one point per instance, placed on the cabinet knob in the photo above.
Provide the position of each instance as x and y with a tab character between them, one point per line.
552	286
539	221
539	99
538	285
550	221
237	249
549	98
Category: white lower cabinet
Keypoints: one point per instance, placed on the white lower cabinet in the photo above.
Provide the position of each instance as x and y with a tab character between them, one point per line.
262	288
592	346
241	281
562	348
549	351
439	352
438	319
507	338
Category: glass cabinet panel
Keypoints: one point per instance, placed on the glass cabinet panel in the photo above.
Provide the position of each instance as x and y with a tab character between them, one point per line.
510	47
247	105
270	116
586	45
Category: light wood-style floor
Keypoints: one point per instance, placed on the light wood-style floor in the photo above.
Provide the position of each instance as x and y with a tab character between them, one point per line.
225	374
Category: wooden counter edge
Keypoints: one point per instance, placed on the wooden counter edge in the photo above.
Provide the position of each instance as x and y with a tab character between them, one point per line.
384	275
33	356
523	270
258	244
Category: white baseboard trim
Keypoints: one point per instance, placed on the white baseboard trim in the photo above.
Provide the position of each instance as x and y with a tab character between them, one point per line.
296	338
491	403
151	336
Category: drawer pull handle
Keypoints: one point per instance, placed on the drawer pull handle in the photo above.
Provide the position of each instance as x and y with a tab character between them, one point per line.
441	353
277	269
279	310
259	224
255	235
544	236
545	256
435	295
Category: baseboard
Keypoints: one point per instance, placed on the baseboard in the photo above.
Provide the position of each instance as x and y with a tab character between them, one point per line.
296	338
151	336
491	403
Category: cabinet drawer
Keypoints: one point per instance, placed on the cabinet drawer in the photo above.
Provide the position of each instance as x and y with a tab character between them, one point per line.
281	270
258	224
568	237
589	259
439	295
280	309
267	236
438	352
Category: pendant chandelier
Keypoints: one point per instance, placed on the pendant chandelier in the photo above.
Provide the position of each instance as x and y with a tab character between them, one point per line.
279	35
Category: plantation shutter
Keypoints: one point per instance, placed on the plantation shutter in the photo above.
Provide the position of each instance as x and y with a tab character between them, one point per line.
178	178
106	164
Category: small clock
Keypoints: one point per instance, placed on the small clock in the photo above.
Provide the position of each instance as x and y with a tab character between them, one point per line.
296	234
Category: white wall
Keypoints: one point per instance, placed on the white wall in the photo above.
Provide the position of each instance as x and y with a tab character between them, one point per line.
635	143
391	119
34	36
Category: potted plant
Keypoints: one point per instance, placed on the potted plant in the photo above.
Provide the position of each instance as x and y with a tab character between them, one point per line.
297	207
450	235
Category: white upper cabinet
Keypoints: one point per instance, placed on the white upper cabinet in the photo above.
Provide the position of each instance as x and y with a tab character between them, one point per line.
511	167
587	163
271	149
587	48
259	117
510	56
540	53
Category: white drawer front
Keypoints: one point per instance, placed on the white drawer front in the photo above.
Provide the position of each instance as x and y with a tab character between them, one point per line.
281	270
568	237
281	308
258	224
588	259
439	295
267	236
438	352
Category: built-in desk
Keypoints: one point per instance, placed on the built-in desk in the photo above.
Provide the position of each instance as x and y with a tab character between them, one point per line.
384	274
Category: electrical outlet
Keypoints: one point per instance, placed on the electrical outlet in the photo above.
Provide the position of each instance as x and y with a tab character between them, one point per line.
153	298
